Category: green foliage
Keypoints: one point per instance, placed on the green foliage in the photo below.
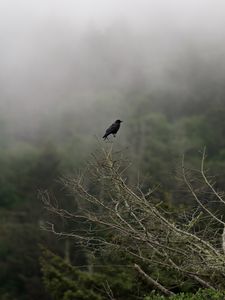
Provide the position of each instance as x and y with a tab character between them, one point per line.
66	282
202	294
19	269
24	170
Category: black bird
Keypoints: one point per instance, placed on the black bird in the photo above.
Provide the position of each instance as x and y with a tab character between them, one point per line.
112	129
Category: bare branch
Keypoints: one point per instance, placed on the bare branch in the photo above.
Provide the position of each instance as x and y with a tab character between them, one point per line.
151	281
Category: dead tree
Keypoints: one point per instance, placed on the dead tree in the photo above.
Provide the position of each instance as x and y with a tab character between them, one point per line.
125	219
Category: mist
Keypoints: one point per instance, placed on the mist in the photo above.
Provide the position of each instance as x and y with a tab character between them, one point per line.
63	56
68	70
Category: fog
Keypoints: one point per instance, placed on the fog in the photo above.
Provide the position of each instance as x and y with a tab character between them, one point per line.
59	56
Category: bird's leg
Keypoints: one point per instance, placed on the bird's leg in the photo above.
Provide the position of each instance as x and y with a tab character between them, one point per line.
114	135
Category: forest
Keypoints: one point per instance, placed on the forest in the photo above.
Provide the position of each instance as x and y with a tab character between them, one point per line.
138	216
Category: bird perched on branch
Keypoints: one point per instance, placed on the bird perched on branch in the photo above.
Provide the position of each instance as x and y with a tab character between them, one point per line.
112	129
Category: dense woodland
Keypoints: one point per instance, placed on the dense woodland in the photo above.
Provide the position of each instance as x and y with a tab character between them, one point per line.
152	138
169	112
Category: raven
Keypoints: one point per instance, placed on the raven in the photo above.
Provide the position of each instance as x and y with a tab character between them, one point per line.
112	129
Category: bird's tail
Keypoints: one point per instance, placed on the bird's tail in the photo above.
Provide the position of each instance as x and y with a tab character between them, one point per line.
105	136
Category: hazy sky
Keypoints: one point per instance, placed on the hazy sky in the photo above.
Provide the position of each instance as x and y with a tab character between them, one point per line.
49	50
207	16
